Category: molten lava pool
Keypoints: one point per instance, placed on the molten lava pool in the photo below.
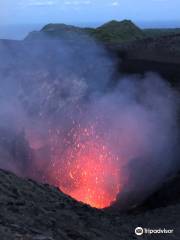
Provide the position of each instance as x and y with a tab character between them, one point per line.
89	171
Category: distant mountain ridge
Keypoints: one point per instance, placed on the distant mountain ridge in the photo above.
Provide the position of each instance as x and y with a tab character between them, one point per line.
110	32
139	50
116	32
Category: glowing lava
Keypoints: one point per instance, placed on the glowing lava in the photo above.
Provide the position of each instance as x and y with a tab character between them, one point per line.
95	182
89	172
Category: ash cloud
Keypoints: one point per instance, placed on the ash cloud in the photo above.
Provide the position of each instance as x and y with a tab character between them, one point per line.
48	88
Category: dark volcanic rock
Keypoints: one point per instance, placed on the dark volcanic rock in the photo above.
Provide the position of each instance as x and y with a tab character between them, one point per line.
161	55
35	211
167	194
32	211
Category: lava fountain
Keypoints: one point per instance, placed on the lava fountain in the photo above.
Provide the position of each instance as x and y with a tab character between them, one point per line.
86	169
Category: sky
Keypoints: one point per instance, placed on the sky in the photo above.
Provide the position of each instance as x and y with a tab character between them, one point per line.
87	12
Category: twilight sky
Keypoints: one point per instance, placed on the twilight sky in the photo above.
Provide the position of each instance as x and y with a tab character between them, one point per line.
23	16
86	11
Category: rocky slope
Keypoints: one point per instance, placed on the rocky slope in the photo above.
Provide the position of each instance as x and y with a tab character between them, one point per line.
167	194
160	54
32	211
161	49
157	32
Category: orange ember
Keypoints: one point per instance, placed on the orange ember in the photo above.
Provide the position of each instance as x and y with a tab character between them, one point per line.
90	172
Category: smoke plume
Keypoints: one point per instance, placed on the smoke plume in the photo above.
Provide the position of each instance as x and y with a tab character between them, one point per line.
64	115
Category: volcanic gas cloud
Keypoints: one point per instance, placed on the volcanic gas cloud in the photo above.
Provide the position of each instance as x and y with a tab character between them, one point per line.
98	140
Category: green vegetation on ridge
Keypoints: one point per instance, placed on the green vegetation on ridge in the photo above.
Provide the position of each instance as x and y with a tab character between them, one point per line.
113	32
116	32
